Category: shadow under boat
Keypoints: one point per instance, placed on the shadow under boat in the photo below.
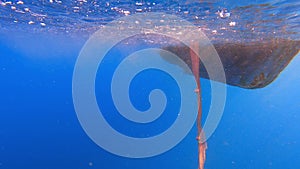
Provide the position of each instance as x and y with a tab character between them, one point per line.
247	65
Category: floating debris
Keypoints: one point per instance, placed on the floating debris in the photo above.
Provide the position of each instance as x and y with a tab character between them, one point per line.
42	24
13	8
30	22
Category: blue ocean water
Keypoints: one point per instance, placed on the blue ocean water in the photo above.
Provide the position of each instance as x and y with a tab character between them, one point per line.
38	123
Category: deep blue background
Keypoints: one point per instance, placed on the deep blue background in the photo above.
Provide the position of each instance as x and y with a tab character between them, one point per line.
39	129
141	86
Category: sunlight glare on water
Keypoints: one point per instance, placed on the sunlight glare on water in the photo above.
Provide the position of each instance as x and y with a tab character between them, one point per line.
219	19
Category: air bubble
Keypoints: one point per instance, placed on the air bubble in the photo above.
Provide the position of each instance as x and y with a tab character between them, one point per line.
232	23
224	13
126	13
138	3
139	10
20	2
8	3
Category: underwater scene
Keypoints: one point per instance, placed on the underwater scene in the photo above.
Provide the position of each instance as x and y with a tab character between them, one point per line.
147	84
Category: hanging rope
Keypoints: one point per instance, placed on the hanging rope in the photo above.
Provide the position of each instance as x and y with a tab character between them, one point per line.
202	146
